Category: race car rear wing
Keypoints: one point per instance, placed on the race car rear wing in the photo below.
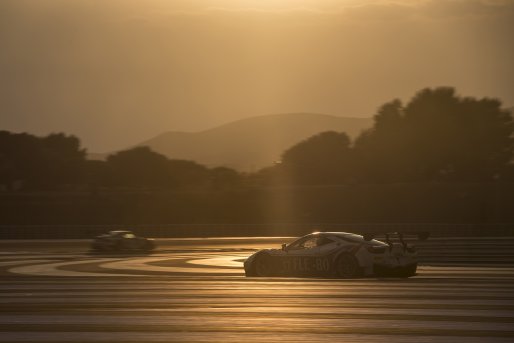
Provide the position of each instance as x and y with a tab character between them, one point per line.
422	236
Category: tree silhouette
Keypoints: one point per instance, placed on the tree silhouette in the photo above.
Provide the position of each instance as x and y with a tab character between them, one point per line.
64	159
40	162
320	159
142	167
437	136
139	167
223	178
187	174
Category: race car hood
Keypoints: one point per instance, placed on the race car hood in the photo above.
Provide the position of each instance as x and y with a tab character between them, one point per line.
269	251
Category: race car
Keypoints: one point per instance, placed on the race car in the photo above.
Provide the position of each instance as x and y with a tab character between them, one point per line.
337	254
122	240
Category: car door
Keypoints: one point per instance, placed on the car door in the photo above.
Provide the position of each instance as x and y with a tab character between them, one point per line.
300	257
327	248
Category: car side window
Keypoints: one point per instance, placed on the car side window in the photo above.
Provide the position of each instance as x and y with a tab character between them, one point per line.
310	243
324	241
306	243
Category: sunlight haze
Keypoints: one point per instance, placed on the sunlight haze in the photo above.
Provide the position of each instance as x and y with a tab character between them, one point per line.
116	72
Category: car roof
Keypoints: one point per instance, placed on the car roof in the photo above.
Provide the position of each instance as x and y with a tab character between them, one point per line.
348	235
115	232
345	235
339	234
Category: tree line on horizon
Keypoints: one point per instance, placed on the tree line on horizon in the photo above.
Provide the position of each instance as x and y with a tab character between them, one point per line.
437	136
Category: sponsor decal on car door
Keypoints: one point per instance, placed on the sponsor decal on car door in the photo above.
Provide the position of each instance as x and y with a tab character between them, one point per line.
304	258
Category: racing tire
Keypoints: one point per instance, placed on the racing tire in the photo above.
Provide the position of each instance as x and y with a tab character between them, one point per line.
261	266
347	267
409	270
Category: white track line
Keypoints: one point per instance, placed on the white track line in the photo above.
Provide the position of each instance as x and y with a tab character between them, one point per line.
51	269
142	264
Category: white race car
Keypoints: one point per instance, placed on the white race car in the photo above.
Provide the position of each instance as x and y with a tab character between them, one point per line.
122	240
337	254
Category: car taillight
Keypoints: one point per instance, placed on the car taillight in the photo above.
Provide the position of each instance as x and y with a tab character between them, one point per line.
376	250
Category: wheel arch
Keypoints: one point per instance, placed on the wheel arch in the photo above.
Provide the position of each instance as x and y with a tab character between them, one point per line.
249	264
337	260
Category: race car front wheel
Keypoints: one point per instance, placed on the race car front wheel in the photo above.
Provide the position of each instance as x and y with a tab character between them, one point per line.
347	267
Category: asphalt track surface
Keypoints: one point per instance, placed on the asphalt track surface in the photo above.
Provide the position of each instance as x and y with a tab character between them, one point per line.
195	291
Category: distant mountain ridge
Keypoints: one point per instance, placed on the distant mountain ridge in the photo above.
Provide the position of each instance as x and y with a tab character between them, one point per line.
252	143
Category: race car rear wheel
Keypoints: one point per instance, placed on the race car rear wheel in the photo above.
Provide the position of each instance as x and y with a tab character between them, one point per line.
347	267
409	270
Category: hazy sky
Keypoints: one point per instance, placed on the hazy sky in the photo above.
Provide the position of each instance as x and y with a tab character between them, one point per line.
116	72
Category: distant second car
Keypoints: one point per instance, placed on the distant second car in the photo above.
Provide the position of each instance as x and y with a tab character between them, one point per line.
122	240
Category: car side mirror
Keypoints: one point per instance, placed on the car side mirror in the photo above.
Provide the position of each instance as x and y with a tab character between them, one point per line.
284	247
